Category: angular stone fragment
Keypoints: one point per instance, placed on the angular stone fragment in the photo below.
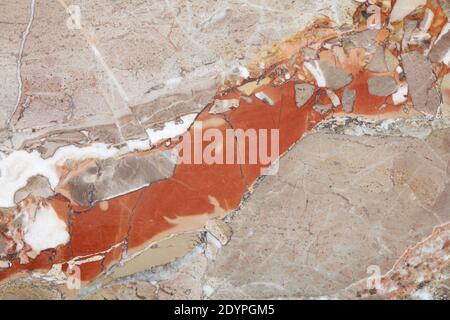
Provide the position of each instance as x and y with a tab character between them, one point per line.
113	177
427	20
264	98
378	62
331	76
348	99
421	82
303	92
221	106
130	128
401	95
172	105
70	137
391	60
364	39
336	78
106	133
321	108
420	35
333	98
37	186
163	252
382	86
250	87
220	230
47	145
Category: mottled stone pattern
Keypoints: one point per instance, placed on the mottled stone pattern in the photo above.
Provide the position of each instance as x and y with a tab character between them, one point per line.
106	191
421	81
161	58
363	203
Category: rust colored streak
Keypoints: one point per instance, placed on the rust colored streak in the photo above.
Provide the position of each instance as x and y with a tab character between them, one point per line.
112	256
187	193
291	121
101	227
152	210
365	103
90	270
42	262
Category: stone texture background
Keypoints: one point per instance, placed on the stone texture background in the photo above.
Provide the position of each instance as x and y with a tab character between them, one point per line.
339	204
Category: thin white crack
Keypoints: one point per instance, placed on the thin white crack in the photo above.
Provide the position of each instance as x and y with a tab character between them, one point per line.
19	59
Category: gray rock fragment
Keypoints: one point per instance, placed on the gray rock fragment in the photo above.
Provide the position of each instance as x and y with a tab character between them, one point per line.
37	186
303	92
421	82
364	39
113	177
321	108
335	77
382	86
378	62
348	100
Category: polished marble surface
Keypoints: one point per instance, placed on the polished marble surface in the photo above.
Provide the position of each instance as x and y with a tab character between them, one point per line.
128	169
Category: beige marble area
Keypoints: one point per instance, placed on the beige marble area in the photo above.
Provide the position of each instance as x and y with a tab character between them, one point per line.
168	55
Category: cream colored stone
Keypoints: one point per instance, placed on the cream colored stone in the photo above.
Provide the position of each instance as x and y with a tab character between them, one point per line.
220	230
162	252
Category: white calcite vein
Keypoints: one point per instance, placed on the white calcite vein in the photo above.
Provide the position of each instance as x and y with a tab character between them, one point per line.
17	167
46	231
21	49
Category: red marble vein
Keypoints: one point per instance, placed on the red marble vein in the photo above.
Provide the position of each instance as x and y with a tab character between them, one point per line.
137	218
